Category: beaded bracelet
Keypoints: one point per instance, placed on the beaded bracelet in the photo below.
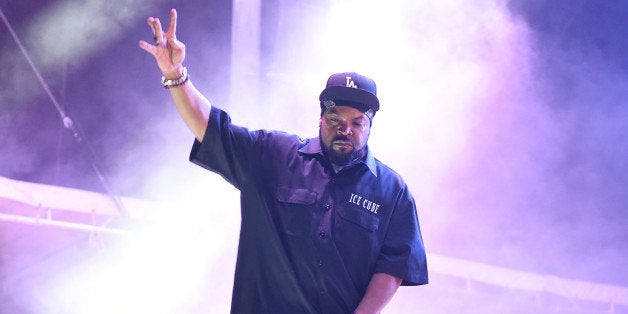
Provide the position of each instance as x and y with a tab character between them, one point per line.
178	82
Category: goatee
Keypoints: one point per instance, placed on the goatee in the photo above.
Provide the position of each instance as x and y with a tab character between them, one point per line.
339	158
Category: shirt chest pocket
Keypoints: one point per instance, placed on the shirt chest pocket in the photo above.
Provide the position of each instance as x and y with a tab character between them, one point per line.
294	210
356	234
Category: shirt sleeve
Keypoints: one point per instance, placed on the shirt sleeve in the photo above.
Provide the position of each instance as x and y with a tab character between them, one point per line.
226	149
403	252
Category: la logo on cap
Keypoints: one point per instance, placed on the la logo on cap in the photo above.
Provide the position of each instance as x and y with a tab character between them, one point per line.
350	82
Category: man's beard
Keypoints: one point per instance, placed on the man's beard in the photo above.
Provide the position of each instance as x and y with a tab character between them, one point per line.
339	158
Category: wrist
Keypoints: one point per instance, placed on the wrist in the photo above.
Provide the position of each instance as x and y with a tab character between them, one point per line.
180	79
174	74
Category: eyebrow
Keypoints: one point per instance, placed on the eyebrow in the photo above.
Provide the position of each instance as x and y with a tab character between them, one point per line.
334	111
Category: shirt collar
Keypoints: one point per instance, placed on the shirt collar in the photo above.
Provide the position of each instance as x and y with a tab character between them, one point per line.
312	146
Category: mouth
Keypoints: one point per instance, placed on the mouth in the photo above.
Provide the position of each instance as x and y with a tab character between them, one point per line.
343	144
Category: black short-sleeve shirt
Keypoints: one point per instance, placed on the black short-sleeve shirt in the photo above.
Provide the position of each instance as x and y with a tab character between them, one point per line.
310	238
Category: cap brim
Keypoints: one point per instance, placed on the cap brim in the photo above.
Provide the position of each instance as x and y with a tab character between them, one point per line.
350	94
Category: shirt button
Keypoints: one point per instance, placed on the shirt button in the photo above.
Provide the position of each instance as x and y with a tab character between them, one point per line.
327	207
320	263
322	234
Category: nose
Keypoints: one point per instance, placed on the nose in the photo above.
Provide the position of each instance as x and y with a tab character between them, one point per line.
344	129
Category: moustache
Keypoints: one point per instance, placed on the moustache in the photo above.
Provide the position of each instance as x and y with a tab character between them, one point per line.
343	138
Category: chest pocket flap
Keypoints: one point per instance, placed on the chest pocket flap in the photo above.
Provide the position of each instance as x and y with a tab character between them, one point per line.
361	218
295	196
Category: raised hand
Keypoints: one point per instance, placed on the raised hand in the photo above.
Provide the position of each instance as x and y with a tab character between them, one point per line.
168	51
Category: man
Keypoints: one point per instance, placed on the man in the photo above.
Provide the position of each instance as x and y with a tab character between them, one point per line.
326	228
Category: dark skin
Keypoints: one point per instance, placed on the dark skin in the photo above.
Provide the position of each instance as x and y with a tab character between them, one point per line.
344	133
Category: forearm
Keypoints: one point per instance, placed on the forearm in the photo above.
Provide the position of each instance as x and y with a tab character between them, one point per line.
170	54
193	108
379	292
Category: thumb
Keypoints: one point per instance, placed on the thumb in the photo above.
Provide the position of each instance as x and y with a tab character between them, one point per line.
146	46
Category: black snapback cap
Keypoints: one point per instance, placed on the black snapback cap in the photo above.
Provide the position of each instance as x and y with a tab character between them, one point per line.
350	89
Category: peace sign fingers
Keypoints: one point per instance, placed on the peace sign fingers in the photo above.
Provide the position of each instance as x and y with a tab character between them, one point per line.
172	27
